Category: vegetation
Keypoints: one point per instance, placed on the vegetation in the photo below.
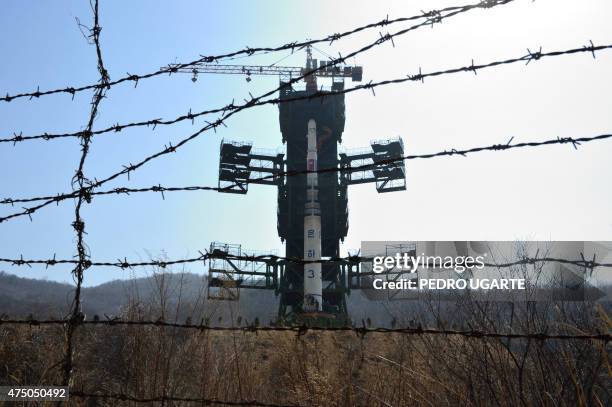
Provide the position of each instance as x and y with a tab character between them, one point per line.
316	368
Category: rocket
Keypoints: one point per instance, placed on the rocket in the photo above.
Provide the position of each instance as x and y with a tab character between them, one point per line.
313	282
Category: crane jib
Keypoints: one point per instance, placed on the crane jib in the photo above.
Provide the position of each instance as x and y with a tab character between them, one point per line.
353	72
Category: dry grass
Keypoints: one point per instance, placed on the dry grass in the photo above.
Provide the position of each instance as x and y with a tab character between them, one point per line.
316	369
328	368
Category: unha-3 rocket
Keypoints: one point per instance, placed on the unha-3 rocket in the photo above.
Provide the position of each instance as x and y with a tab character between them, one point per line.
313	283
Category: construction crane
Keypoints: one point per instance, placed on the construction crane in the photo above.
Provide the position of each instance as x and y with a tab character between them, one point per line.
291	72
312	212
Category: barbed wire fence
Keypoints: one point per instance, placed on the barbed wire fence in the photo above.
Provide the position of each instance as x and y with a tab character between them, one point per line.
84	188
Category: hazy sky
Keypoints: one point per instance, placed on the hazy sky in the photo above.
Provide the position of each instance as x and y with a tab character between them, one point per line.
553	193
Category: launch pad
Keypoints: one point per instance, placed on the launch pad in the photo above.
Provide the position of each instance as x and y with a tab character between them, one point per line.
312	213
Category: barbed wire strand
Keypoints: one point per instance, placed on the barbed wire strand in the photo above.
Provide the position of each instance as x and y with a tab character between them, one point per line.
125	264
575	142
162	399
79	181
303	329
248	51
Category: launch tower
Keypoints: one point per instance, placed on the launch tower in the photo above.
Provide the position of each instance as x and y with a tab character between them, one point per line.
241	165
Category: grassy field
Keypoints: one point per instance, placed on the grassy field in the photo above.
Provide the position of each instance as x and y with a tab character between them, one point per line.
314	369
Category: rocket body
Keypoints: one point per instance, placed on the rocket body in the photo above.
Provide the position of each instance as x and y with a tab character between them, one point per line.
313	282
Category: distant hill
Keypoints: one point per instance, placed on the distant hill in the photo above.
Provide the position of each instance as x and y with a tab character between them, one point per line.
177	296
22	296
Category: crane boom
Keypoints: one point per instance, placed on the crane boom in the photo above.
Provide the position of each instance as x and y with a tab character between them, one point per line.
293	71
334	71
243	69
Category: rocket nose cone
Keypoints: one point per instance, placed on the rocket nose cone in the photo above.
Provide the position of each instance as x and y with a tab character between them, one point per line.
312	125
